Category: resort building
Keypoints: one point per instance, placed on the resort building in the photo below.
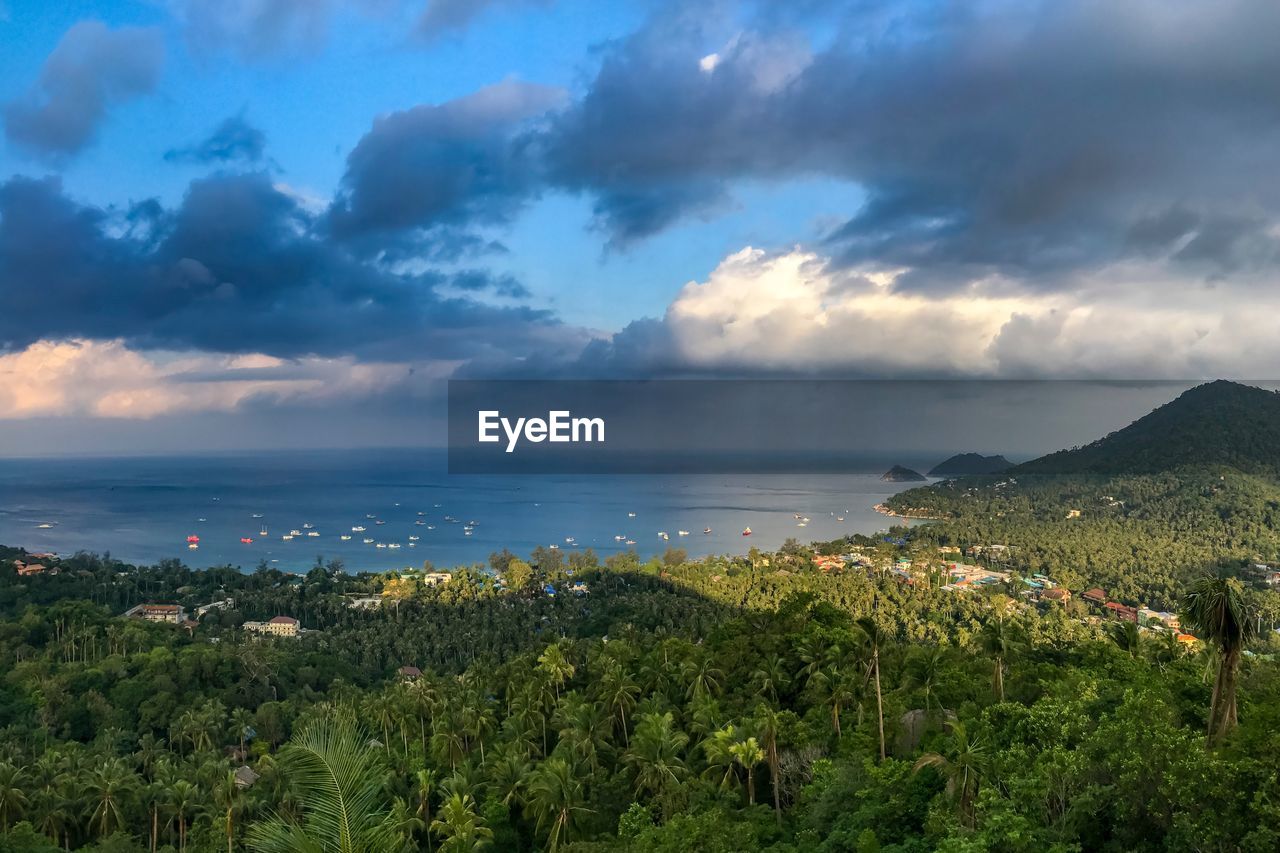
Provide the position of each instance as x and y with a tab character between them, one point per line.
171	613
25	569
436	578
279	626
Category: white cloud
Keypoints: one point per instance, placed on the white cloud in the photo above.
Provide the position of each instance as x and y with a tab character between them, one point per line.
794	312
107	379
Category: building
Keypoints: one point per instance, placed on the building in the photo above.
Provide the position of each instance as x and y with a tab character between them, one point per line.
25	569
224	604
245	777
279	626
1122	612
409	673
436	578
1168	620
1057	593
1095	596
171	613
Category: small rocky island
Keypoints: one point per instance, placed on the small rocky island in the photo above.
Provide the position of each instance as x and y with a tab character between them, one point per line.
899	474
965	464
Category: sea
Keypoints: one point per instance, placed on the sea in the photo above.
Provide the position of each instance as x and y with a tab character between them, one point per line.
144	509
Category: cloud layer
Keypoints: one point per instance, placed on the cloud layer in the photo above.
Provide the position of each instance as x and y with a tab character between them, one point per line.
93	69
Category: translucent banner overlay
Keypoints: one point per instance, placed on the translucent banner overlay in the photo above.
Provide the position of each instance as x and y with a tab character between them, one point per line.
746	426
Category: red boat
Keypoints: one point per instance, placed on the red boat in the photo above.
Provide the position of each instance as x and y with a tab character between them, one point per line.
193	540
246	540
746	532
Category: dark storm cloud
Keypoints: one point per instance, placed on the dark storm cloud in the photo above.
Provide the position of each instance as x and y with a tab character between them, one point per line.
233	140
440	166
1020	138
445	16
92	69
237	267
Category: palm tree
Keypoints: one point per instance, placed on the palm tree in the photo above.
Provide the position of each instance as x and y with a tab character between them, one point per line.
52	815
228	800
748	754
107	786
875	639
462	829
241	727
655	753
837	689
339	781
923	670
424	781
13	799
769	724
556	798
999	641
770	677
182	801
963	766
1125	635
1214	608
407	824
618	692
556	667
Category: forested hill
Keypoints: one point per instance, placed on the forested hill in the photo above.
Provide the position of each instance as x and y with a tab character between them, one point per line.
1218	423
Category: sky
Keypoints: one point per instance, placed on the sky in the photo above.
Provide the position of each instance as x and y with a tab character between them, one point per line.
249	223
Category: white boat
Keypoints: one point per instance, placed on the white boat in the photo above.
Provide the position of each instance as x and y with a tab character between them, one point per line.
193	546
682	532
257	515
379	521
662	534
421	513
431	527
367	541
619	538
286	537
262	532
803	524
307	526
554	547
706	530
394	545
359	528
413	544
631	542
413	538
568	540
466	532
381	545
295	532
631	515
202	519
370	516
313	532
44	525
345	537
839	518
419	522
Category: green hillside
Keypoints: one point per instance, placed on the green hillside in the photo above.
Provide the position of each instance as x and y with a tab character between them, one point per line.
1218	423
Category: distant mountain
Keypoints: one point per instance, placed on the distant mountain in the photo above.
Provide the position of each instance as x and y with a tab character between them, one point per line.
1219	423
963	464
898	474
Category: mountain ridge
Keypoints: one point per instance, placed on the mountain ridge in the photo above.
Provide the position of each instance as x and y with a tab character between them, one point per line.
964	464
1216	423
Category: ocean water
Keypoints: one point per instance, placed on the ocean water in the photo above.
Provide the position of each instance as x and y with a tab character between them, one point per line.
142	509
